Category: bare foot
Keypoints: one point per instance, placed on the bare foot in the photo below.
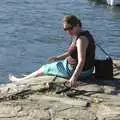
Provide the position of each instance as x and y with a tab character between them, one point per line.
12	78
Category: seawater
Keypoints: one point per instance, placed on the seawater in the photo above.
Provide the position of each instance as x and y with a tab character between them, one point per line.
31	31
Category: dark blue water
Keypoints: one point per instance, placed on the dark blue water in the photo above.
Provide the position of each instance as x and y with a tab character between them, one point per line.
31	31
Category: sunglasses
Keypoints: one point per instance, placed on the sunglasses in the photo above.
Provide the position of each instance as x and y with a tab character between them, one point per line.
68	28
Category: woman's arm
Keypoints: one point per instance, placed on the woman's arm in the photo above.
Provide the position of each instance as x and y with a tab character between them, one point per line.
81	44
59	57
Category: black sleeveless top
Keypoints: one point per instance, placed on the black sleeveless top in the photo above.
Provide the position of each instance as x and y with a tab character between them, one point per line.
90	52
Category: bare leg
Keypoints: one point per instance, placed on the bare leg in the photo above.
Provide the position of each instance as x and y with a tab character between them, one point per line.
39	72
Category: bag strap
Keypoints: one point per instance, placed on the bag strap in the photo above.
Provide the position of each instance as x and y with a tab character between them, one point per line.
107	55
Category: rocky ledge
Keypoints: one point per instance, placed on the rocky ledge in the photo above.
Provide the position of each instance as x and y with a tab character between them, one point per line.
48	98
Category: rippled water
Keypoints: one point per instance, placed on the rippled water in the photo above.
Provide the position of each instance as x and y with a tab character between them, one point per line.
31	31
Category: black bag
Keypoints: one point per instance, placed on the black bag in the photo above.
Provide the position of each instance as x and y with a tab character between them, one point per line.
104	68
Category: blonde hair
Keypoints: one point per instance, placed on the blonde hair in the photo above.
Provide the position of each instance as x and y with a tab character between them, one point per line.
72	20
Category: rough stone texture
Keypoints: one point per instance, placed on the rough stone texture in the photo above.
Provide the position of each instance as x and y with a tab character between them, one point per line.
46	98
116	69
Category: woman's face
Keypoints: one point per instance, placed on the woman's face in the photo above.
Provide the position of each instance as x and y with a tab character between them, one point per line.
69	29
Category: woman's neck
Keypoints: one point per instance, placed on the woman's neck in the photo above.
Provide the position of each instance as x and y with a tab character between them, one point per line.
77	33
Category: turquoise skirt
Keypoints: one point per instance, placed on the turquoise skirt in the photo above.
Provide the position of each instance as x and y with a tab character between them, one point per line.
63	69
59	68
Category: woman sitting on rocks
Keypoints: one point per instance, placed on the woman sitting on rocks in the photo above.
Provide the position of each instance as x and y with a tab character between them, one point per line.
75	64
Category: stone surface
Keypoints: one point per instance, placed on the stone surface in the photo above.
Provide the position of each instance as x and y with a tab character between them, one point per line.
47	98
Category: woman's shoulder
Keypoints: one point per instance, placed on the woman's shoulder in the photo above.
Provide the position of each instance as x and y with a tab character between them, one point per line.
82	39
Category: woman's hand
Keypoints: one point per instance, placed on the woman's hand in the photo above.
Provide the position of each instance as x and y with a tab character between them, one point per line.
52	59
72	83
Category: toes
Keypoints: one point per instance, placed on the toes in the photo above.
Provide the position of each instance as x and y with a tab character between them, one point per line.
12	78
